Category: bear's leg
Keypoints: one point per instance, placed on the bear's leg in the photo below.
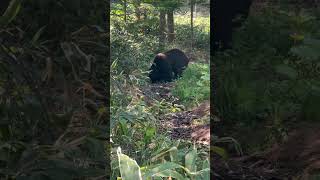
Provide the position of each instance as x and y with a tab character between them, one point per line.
177	73
155	74
167	76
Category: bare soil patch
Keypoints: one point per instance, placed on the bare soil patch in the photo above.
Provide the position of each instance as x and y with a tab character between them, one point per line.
190	125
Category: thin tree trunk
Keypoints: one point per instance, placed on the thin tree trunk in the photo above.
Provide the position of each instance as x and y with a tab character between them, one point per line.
125	10
138	13
145	14
137	10
195	10
162	26
171	35
191	9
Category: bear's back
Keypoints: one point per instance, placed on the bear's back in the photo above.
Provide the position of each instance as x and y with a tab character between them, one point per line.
177	58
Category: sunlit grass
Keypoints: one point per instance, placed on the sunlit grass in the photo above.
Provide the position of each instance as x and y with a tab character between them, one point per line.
194	86
200	21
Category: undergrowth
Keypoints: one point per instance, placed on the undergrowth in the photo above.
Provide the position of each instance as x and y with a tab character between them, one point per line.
269	81
194	86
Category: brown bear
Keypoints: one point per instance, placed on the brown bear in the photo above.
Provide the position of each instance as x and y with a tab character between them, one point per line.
168	66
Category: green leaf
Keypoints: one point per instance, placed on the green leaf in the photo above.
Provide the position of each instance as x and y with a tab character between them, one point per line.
161	168
174	154
306	52
123	126
190	160
150	132
11	12
287	71
206	165
37	35
171	173
129	168
220	151
163	153
309	50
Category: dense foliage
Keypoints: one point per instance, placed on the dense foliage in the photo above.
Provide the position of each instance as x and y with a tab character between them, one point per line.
52	102
271	77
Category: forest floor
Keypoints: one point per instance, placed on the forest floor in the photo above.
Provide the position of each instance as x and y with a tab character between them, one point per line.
297	158
186	124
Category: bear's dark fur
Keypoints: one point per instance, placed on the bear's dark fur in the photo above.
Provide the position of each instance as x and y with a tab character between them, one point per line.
168	66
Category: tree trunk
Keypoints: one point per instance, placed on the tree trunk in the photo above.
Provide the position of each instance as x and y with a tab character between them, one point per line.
171	35
125	10
191	9
162	26
195	11
137	9
138	14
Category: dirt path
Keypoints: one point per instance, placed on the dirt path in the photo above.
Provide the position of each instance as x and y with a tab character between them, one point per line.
190	125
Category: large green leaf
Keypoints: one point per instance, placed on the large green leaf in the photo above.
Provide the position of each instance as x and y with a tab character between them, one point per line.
174	154
129	168
309	50
190	160
306	52
206	165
